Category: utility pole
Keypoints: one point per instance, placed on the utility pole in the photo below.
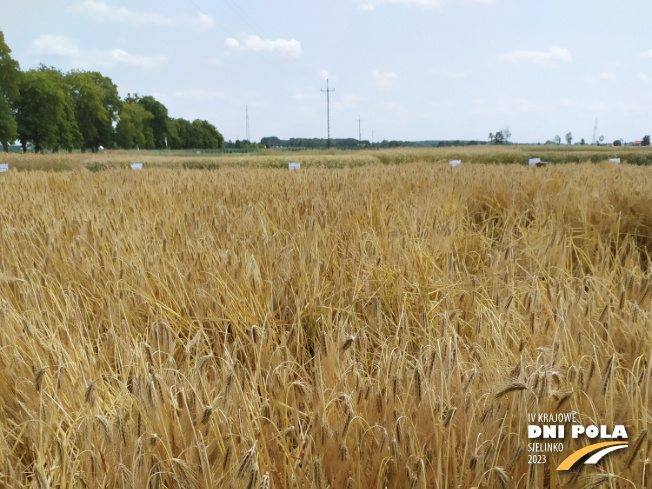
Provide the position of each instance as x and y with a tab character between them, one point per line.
247	112
328	112
359	130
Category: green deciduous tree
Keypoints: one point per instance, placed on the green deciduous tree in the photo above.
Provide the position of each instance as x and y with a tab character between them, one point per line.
180	134
133	129
205	135
96	103
272	141
9	80
45	112
80	109
198	134
501	137
159	120
569	138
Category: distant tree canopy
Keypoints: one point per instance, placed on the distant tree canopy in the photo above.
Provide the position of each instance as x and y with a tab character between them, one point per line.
45	112
48	109
158	123
97	106
312	143
501	137
351	143
196	134
9	80
133	130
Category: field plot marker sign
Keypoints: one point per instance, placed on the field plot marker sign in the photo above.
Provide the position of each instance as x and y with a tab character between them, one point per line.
615	160
4	167
455	163
136	166
534	161
294	166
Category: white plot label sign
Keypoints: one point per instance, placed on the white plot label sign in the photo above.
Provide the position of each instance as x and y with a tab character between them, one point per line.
136	166
614	160
455	163
294	166
534	161
4	167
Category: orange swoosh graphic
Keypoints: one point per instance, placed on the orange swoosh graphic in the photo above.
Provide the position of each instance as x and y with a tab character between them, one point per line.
574	457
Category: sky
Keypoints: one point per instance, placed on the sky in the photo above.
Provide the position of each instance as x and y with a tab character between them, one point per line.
400	69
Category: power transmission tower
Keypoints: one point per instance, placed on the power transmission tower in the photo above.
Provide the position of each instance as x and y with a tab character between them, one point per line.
328	112
359	130
247	112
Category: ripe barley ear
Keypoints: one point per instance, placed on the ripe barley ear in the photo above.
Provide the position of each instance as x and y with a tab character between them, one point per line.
348	343
512	387
38	378
90	390
636	447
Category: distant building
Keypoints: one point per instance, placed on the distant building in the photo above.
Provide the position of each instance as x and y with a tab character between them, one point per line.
637	143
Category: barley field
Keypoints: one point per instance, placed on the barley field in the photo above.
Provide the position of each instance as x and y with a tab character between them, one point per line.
374	326
214	160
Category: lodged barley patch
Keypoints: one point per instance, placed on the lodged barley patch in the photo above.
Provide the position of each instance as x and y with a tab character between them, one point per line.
386	326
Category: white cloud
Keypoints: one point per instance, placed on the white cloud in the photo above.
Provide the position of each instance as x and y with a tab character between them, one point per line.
384	79
252	42
554	56
118	56
101	11
325	74
49	45
643	77
647	54
206	21
55	45
372	4
232	43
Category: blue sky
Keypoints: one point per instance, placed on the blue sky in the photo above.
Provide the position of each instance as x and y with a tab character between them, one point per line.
410	69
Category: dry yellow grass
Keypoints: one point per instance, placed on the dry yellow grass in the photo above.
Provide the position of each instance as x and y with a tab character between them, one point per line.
386	326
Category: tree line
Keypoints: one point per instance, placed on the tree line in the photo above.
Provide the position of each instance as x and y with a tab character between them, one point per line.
48	109
312	143
351	143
